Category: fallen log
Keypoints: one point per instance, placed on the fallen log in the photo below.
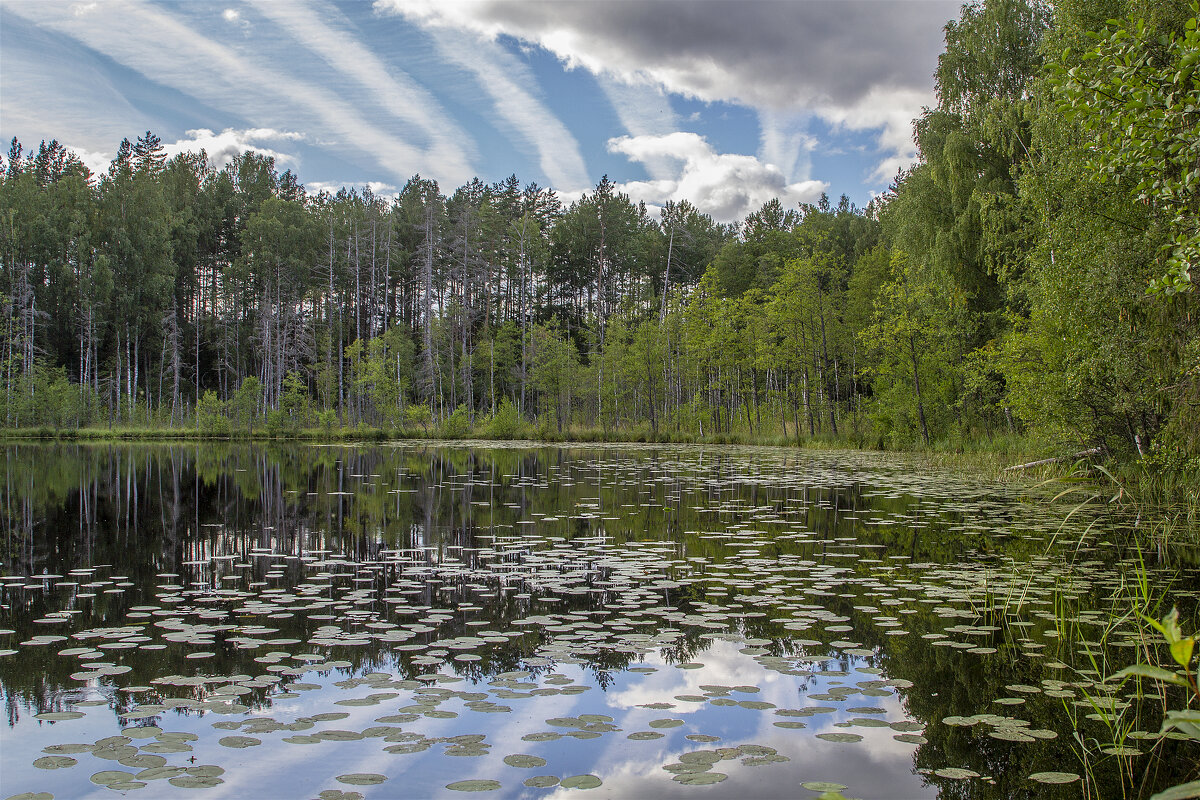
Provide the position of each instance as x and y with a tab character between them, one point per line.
1091	452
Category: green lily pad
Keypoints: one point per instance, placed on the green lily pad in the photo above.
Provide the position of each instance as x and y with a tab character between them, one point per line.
361	778
58	716
109	776
474	786
823	786
1054	777
840	737
524	761
194	782
541	781
54	762
238	742
699	778
581	782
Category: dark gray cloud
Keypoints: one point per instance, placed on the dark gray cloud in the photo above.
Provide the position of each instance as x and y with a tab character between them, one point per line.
777	54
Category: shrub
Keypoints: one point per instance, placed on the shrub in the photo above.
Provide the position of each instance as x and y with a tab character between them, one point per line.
418	416
457	425
506	423
210	413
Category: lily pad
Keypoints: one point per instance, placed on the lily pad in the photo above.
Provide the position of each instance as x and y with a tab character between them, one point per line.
474	786
361	778
699	778
194	782
1054	777
238	742
840	737
58	716
109	776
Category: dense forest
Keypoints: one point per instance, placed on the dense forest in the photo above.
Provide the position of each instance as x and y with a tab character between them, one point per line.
1029	276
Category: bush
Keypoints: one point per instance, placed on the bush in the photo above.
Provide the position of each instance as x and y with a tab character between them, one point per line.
457	425
417	416
210	413
281	423
506	423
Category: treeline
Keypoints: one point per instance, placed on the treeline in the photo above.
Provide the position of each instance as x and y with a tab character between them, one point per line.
1030	275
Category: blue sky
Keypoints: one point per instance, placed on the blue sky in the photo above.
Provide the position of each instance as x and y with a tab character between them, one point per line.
726	104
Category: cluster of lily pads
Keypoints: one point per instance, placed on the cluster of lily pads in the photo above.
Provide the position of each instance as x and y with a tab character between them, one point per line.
581	586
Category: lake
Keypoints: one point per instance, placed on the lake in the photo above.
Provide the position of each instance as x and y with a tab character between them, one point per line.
420	620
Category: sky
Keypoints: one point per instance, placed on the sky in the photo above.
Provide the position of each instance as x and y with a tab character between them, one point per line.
725	103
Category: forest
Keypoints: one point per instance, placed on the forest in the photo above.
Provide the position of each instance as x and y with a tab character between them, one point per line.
1029	278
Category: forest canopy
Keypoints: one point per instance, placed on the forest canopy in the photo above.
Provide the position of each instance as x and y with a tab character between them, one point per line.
1034	273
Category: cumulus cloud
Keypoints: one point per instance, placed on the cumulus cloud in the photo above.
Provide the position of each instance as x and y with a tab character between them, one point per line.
94	160
725	185
223	147
863	65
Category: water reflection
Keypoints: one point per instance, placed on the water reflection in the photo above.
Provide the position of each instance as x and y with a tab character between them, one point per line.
419	613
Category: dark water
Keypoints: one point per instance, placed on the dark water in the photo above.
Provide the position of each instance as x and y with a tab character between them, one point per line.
416	621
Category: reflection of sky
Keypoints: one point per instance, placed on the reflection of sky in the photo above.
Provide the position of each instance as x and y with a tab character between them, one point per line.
877	767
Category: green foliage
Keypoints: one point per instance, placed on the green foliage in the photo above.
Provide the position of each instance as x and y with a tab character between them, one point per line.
294	403
245	402
457	425
280	423
1136	94
418	416
506	423
1183	722
210	414
47	397
327	419
912	351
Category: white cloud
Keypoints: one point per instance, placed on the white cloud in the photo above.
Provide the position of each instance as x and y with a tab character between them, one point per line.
97	162
388	191
409	104
644	111
223	147
863	65
159	45
231	15
506	79
785	142
47	92
726	185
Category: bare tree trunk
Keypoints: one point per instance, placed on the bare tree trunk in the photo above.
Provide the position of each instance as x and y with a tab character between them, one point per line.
662	308
427	290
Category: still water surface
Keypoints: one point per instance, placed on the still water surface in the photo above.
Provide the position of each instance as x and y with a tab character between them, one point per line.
417	621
